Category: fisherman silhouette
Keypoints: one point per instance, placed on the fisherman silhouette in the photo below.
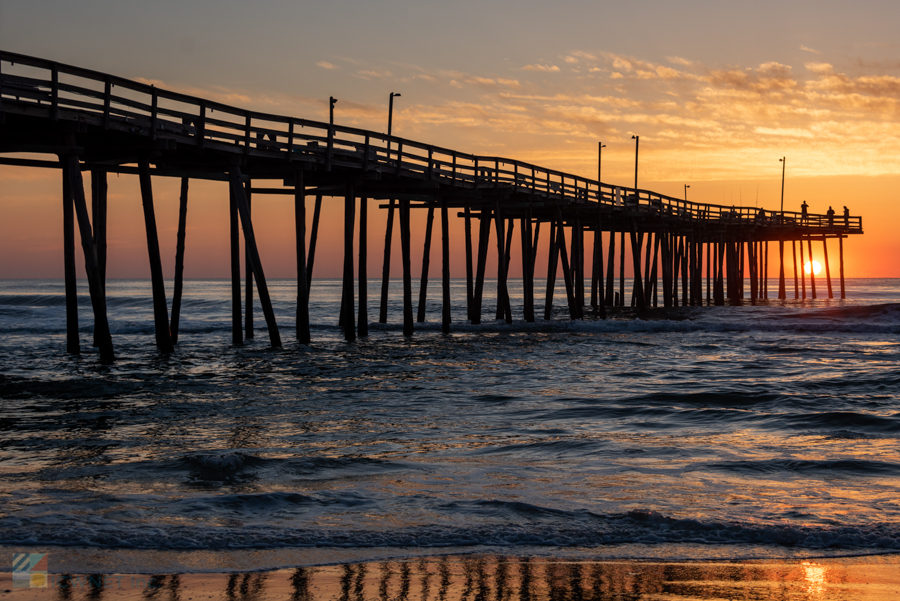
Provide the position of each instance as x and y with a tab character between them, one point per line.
804	213
830	214
846	218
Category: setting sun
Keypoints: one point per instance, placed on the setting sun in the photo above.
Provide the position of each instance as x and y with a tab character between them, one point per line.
816	267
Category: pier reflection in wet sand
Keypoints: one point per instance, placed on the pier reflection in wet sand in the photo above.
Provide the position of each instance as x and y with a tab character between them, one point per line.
497	578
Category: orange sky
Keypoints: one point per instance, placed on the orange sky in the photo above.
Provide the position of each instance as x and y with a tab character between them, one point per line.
717	92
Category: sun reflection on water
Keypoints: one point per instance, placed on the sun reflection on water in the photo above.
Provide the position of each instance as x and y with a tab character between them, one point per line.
814	574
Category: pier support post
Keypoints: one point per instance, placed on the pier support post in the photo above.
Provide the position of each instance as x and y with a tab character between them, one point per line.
527	267
610	268
567	274
348	319
99	192
812	272
313	238
386	267
255	263
765	272
445	267
469	272
362	322
600	305
782	293
827	267
237	332
653	268
552	263
754	280
803	271
636	259
426	260
248	272
407	268
794	255
841	257
503	308
179	260
73	344
303	334
622	269
160	310
72	170
484	234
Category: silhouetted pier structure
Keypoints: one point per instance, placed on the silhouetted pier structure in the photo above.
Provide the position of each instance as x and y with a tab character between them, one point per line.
103	124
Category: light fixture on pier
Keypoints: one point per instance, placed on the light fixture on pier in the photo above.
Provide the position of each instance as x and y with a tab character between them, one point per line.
331	101
686	186
637	141
783	161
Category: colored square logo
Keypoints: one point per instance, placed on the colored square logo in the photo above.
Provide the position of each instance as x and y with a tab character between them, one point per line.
29	570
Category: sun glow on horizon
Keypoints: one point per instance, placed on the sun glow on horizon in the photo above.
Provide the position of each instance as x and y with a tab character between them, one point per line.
815	268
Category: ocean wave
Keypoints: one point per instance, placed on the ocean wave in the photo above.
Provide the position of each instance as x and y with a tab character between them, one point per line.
541	527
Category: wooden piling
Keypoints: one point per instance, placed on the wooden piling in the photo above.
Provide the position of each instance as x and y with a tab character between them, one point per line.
255	262
313	237
622	269
72	169
445	267
179	260
407	268
362	322
812	272
841	257
248	272
99	201
803	271
765	272
827	267
160	309
527	267
610	268
237	332
303	333
73	344
503	308
598	260
794	255
348	320
470	286
636	260
552	263
782	293
426	260
567	274
386	264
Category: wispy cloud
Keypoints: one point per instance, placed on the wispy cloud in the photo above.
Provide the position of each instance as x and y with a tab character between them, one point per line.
326	65
538	67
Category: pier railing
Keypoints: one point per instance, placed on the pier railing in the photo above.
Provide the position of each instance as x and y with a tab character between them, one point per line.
33	86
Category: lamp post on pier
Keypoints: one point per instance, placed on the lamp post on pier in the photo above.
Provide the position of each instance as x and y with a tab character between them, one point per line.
391	112
686	186
600	147
637	141
331	101
783	161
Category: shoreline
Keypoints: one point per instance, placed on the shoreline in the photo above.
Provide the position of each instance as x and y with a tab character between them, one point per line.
490	575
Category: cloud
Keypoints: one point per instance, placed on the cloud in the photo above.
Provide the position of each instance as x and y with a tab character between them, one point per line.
808	49
370	74
537	67
326	65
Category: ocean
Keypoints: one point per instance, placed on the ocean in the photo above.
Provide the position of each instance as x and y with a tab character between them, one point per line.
766	430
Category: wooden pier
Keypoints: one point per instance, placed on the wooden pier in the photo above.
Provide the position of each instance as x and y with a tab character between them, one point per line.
99	123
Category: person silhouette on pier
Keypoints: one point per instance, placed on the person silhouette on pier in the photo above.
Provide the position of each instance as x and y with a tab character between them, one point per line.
830	214
804	213
846	218
761	215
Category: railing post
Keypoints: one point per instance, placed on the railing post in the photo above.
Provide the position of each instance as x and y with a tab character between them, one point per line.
399	156
453	179
430	163
201	126
107	101
330	146
290	147
153	112
476	174
2	118
54	92
366	155
247	126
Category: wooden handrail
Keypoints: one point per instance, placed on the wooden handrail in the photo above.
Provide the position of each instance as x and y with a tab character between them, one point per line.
253	131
